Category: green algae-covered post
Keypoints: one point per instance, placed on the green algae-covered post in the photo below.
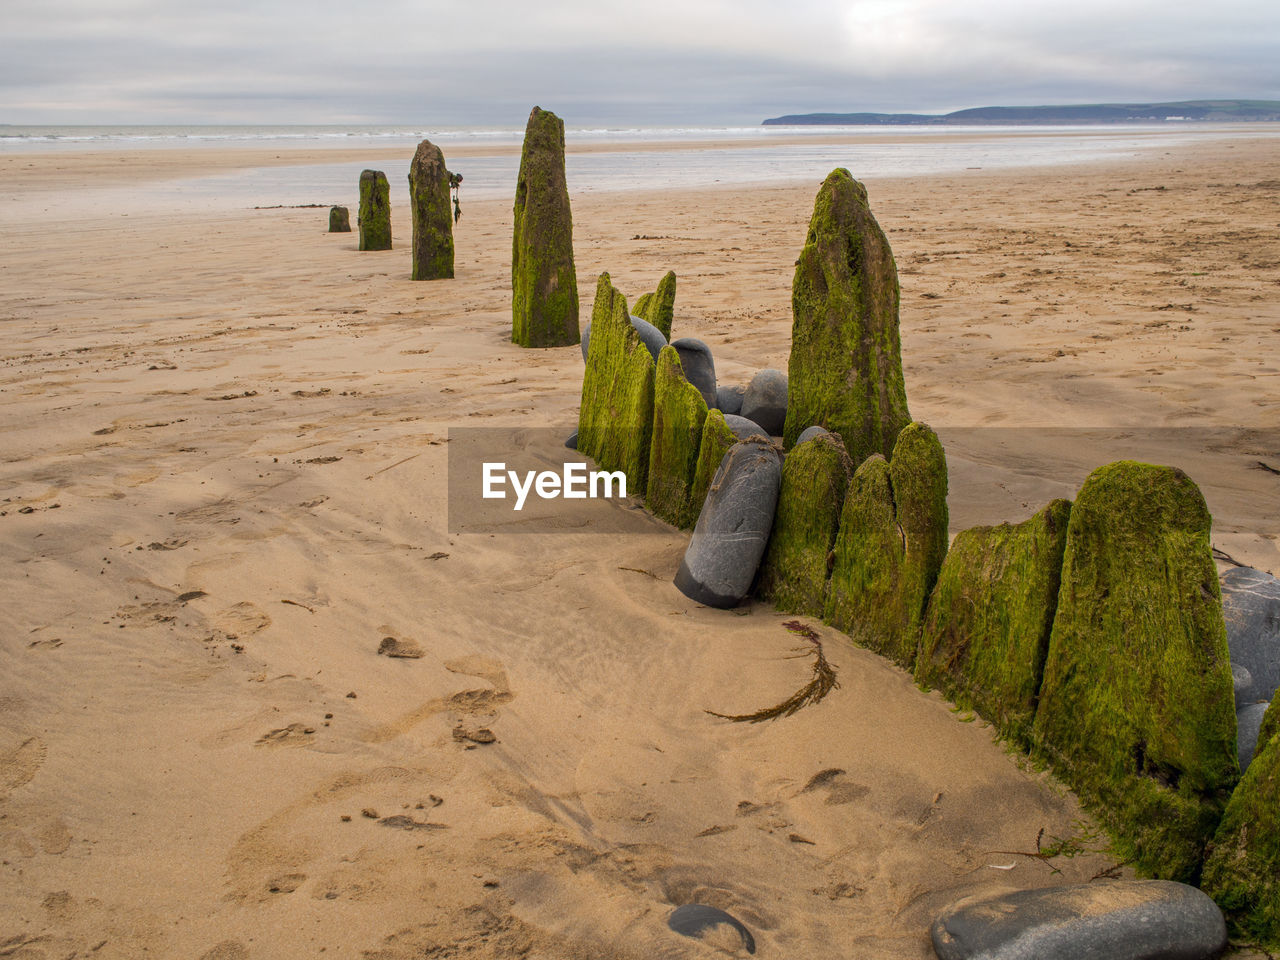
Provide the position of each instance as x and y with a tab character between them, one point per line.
616	415
1242	872
717	439
794	572
892	539
863	595
432	216
1136	708
544	284
339	220
918	472
845	371
659	307
986	631
678	413
375	211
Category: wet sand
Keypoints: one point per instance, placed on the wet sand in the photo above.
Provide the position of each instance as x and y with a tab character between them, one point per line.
225	443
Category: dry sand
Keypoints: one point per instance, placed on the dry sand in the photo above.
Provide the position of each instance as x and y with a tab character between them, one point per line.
223	485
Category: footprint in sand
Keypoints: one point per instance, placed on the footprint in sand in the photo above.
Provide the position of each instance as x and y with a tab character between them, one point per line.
468	710
242	620
19	764
294	734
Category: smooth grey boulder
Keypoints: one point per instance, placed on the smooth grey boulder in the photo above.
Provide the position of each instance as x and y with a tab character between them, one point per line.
572	441
808	433
729	398
765	401
699	368
650	335
732	531
1251	608
743	428
1103	920
1248	723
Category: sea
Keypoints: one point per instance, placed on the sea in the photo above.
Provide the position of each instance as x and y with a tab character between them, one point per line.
619	158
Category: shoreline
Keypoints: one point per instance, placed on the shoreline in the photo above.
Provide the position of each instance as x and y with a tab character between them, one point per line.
116	162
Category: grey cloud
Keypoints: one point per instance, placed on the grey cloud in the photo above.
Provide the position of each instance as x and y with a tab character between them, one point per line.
661	62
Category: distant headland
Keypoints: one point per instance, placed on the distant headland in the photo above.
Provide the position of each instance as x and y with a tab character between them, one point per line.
1178	110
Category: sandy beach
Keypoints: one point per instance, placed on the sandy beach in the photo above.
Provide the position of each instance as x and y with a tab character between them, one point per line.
225	448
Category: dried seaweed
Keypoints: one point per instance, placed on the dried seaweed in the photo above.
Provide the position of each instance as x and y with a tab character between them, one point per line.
822	683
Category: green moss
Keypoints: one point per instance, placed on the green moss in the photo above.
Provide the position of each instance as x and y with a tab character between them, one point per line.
432	214
339	220
918	472
864	594
845	371
659	307
1136	708
717	438
544	282
793	574
986	630
1270	721
616	415
678	414
893	536
375	211
1242	872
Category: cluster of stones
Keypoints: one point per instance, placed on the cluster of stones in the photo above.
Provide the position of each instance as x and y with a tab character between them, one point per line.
1091	635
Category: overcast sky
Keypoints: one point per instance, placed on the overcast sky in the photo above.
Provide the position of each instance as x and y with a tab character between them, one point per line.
643	62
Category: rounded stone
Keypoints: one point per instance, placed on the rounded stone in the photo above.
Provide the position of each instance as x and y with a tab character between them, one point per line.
729	398
765	400
732	531
808	433
650	335
1115	919
743	428
1248	723
699	367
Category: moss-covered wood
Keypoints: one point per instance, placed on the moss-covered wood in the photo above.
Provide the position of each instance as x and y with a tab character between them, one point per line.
432	214
1136	707
339	220
616	415
659	307
544	282
918	472
793	574
1270	721
1242	872
845	370
678	413
892	539
986	631
864	593
374	217
717	439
